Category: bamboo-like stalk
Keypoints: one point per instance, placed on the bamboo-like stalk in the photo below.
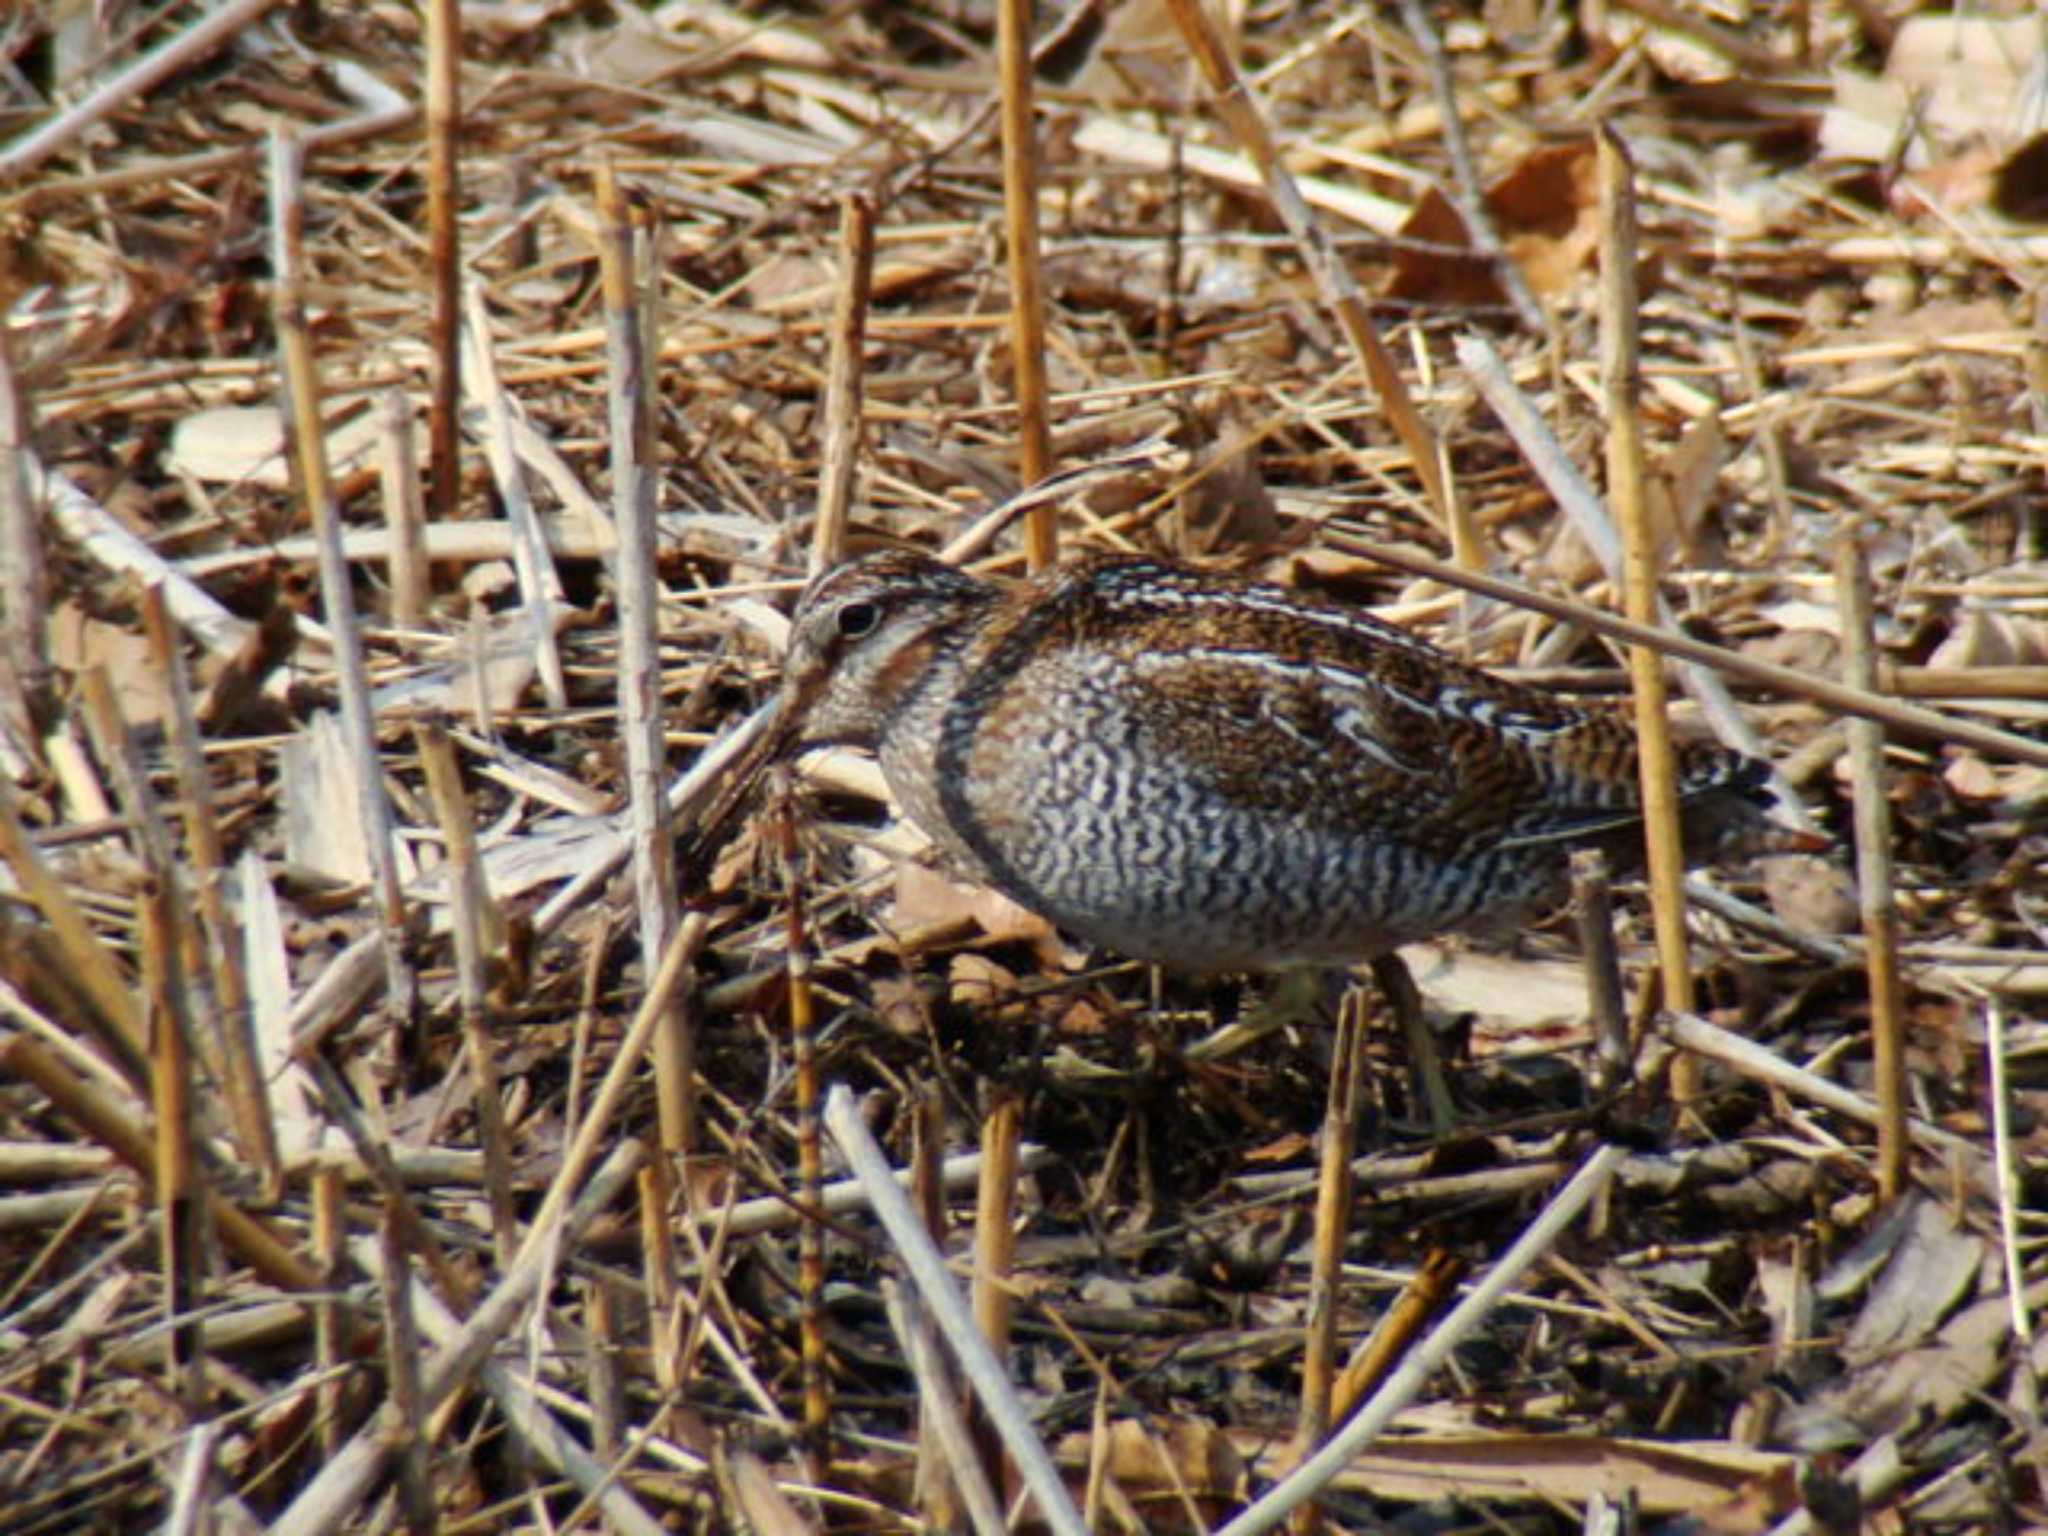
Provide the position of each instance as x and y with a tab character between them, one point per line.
1428	1291
631	391
843	380
309	450
656	1188
402	1364
398	469
247	1094
1909	719
1620	375
809	1152
1332	1227
995	1251
180	1191
1237	107
604	1387
444	254
331	1326
471	920
940	1411
1027	291
1873	823
24	597
1593	911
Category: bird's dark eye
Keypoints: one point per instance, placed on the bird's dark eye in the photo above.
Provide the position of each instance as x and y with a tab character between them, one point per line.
857	619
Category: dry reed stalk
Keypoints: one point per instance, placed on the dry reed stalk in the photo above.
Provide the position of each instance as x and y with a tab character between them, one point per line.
1910	719
331	1321
1874	889
463	1353
1593	913
444	255
90	968
972	1349
540	585
115	1127
843	380
1470	195
995	1253
1027	289
309	452
377	1161
180	1189
398	468
198	40
474	922
402	1367
941	1418
1428	1290
1332	1228
1759	1063
1415	1369
1621	380
656	1190
1238	108
247	1094
809	1151
604	1384
630	392
24	598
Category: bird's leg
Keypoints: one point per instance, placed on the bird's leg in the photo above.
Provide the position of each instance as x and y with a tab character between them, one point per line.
1390	972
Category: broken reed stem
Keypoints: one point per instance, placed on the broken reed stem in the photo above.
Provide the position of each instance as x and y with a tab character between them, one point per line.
331	1325
402	1361
114	1126
1593	911
809	1152
943	1443
658	1271
995	1255
309	453
1434	1283
1027	296
444	254
1909	719
248	1095
641	719
398	471
1332	1227
23	583
1626	489
1873	824
179	1193
1237	107
843	381
475	927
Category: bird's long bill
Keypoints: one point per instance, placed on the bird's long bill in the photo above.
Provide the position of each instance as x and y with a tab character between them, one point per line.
775	728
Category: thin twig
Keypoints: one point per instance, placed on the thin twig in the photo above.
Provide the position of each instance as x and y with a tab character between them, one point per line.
843	381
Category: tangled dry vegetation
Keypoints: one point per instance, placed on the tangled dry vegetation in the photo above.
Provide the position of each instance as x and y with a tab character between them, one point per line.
204	1222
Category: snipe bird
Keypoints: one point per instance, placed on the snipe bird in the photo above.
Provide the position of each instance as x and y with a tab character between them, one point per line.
1217	774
